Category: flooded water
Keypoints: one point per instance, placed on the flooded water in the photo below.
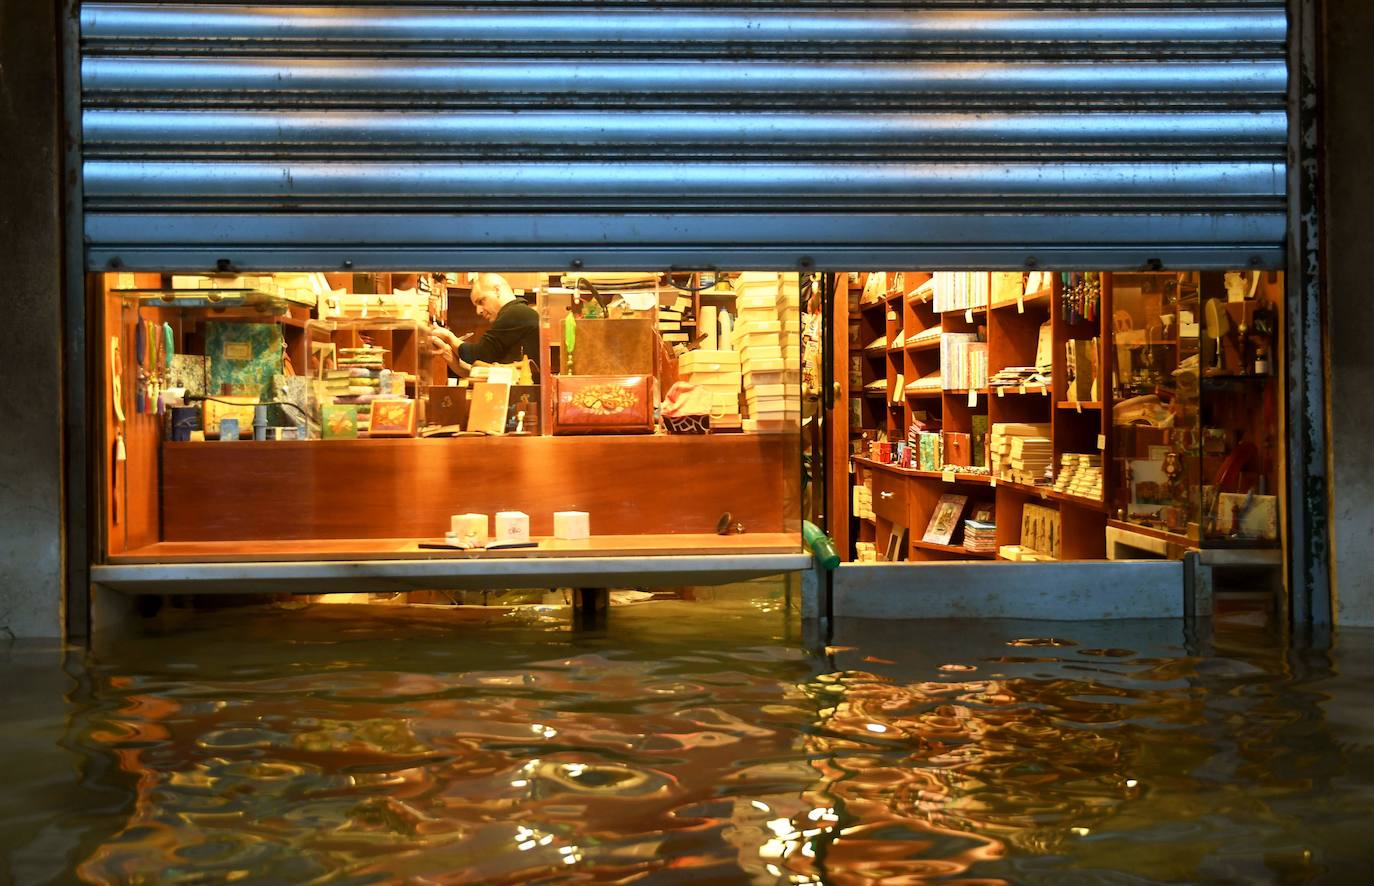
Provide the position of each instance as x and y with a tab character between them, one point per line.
686	743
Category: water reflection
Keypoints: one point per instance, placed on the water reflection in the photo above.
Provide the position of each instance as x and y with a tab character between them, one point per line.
697	743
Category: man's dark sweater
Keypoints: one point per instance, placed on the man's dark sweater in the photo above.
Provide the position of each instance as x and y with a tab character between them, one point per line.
513	335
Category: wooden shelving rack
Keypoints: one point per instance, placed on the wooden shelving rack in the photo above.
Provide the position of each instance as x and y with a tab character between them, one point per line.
1011	327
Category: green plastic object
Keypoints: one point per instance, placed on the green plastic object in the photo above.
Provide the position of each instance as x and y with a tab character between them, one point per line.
821	545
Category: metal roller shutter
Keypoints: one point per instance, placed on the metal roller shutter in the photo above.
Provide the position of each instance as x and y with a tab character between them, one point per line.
773	133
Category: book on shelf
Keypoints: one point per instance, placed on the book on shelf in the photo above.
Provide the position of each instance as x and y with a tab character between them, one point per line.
944	520
960	290
963	361
1041	530
1007	287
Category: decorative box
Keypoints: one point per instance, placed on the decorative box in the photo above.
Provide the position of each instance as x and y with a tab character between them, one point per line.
571	525
513	526
469	528
603	404
392	418
448	405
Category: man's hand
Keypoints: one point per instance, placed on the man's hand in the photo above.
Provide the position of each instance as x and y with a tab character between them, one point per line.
445	344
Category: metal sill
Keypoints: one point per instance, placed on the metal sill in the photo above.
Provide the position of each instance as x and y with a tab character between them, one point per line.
389	576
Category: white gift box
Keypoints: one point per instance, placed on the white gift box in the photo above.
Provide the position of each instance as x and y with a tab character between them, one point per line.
571	525
512	526
464	525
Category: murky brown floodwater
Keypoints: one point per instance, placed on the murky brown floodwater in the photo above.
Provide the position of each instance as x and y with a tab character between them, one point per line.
689	743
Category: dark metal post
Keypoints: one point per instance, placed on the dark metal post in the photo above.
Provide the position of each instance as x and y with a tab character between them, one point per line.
77	344
31	485
589	609
1309	549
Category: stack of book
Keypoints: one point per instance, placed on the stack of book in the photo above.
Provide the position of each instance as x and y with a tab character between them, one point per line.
980	537
1007	439
365	367
960	290
1080	474
963	362
719	373
866	551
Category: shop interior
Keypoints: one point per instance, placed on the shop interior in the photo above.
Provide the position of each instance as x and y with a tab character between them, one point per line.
1062	415
341	416
977	415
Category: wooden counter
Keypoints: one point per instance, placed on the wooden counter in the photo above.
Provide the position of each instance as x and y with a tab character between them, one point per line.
327	550
408	488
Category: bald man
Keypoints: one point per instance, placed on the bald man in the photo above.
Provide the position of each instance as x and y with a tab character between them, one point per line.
514	331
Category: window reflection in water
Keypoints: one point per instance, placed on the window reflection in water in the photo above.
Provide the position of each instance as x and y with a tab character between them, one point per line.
687	748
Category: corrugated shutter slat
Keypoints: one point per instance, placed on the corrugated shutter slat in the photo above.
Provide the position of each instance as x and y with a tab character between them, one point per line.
759	134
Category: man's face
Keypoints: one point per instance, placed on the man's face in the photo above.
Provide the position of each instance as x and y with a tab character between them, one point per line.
486	305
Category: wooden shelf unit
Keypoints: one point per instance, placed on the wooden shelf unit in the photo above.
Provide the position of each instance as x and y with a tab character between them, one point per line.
1011	329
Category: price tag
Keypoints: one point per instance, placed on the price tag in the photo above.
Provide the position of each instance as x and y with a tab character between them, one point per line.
947	476
1020	303
1001	390
1023	388
973	397
993	482
1078	405
968	315
125	281
1101	441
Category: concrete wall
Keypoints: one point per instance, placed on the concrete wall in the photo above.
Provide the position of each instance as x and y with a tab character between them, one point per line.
1349	136
31	328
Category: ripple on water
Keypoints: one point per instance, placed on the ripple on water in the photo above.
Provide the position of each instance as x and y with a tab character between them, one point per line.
406	754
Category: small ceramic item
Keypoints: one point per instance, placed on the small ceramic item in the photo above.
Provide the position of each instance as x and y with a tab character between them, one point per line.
468	530
512	526
572	525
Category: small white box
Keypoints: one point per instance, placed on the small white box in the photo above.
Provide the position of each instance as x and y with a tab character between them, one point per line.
711	356
571	525
512	526
469	528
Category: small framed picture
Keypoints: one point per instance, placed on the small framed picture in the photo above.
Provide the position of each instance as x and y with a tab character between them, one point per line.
944	520
392	418
896	544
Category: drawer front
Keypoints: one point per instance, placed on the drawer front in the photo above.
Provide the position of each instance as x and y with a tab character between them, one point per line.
889	497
